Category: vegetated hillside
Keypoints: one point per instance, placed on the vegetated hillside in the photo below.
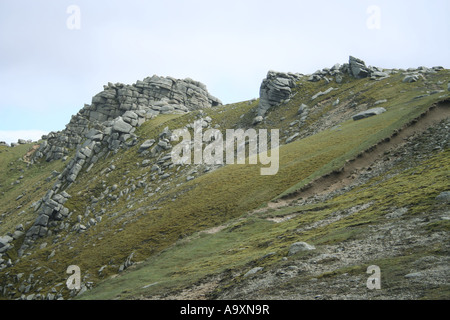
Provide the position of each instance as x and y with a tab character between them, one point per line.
348	194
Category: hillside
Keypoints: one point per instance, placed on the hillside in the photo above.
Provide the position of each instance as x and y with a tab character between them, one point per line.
352	189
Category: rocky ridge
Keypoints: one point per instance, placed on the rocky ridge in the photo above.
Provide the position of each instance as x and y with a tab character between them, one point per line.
276	88
105	126
109	123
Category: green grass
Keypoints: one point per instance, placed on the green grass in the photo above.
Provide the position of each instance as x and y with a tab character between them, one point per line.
221	196
241	246
16	179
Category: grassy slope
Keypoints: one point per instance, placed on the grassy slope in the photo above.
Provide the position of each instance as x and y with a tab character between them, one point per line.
300	162
241	245
17	178
216	197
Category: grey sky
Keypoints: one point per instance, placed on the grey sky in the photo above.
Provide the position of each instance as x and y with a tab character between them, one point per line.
48	72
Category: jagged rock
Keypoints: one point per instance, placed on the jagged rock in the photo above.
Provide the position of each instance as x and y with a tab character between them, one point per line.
121	126
414	275
128	262
378	74
314	78
42	220
302	109
165	176
411	78
379	102
275	88
5	243
358	68
17	234
146	145
120	108
51	255
257	120
165	145
368	113
320	93
94	135
165	134
156	168
291	138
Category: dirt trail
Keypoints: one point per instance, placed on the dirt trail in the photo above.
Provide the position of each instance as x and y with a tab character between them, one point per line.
349	172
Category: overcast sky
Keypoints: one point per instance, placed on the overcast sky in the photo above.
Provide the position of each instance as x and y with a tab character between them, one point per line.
56	54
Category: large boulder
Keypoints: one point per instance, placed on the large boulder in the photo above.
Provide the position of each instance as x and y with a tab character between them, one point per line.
411	78
121	126
300	246
357	68
5	243
146	145
368	113
275	88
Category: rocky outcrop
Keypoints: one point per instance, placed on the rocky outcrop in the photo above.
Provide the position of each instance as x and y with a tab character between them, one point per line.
357	68
105	126
50	209
120	108
151	96
275	89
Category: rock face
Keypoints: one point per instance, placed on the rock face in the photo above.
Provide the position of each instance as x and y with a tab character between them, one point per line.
120	108
153	95
49	209
105	126
358	68
275	88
